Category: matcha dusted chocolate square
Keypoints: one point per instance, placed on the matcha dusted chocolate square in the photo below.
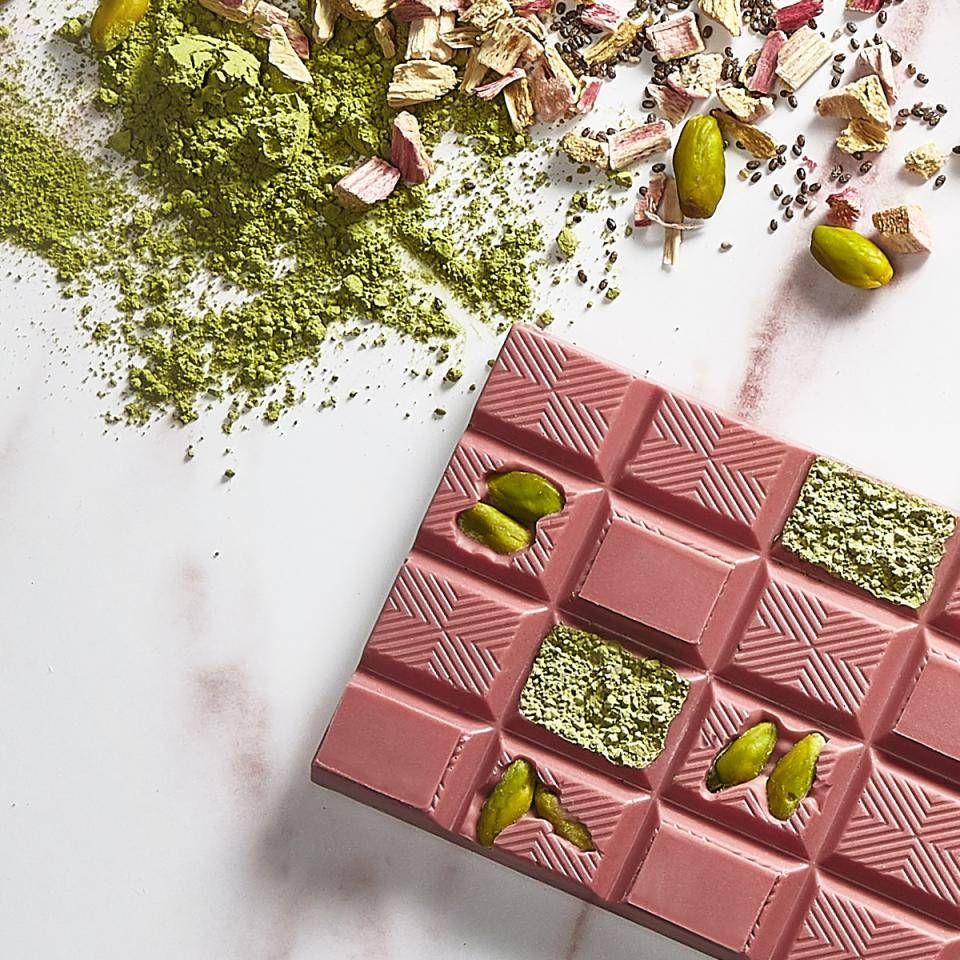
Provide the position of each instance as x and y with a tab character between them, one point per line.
598	695
868	533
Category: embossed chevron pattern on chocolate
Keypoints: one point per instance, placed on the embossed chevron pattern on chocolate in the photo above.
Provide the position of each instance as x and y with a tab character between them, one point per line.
668	546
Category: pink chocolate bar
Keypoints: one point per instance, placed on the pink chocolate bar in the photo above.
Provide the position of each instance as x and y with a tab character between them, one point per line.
692	538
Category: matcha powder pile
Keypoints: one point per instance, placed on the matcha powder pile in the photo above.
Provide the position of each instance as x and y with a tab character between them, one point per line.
237	167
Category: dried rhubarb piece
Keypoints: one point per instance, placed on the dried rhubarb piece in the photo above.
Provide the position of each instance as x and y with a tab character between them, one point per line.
485	13
676	37
584	150
746	136
404	11
795	15
461	38
280	53
612	45
519	104
551	95
474	73
649	202
588	97
878	58
366	184
239	11
323	18
673	104
407	152
865	6
601	15
801	56
489	90
629	146
863	136
699	76
385	33
744	105
764	77
419	81
266	16
533	6
925	161
725	12
504	45
903	229
861	100
423	40
845	207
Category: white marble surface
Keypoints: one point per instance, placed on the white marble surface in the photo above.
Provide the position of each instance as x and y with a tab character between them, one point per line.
172	646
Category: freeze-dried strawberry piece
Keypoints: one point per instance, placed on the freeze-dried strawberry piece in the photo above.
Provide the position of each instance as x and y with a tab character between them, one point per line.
407	152
591	90
602	16
406	10
865	6
764	77
795	15
366	184
489	90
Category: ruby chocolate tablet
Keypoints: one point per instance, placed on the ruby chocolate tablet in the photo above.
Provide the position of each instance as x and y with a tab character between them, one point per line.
677	667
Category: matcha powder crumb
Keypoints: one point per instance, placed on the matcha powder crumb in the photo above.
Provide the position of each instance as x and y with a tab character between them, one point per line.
235	260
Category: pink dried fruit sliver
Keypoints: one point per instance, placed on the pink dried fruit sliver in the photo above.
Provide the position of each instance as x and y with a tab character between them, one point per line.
629	146
795	15
265	15
407	10
877	58
764	76
650	201
602	16
533	6
865	6
488	91
588	98
407	152
672	102
366	184
676	37
846	207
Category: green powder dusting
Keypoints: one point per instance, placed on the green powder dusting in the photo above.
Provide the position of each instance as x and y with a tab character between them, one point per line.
868	533
600	696
237	167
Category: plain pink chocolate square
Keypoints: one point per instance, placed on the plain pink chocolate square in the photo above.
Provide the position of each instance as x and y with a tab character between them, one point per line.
656	581
931	716
700	886
385	745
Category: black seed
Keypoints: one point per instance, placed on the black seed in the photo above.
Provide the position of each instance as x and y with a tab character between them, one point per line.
602	285
940	181
777	190
866	167
851	27
582	276
659	167
792	100
815	187
753	164
611	224
773	226
756	177
788	213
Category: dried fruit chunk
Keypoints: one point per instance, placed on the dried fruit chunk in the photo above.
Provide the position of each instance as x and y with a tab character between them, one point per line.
797	14
764	77
584	150
323	18
757	142
612	45
925	161
526	497
362	9
550	809
862	100
745	106
267	16
601	15
366	184
649	202
504	45
699	76
419	81
385	33
280	54
407	10
487	525
485	13
846	206
863	136
114	21
850	257
801	56
674	104
591	90
743	760
700	167
676	37
509	800
407	152
519	104
725	12
629	146
878	58
903	229
793	775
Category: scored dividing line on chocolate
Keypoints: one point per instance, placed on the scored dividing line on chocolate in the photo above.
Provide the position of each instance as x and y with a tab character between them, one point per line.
773	584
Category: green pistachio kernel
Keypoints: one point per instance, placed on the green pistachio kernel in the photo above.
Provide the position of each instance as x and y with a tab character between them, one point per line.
527	497
793	775
487	525
743	759
509	800
549	808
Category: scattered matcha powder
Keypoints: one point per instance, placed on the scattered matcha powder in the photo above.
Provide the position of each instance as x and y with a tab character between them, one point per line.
598	695
237	166
868	533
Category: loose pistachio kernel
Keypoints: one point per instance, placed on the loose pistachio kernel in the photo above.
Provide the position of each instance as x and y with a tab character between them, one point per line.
509	800
487	525
744	759
527	497
793	775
